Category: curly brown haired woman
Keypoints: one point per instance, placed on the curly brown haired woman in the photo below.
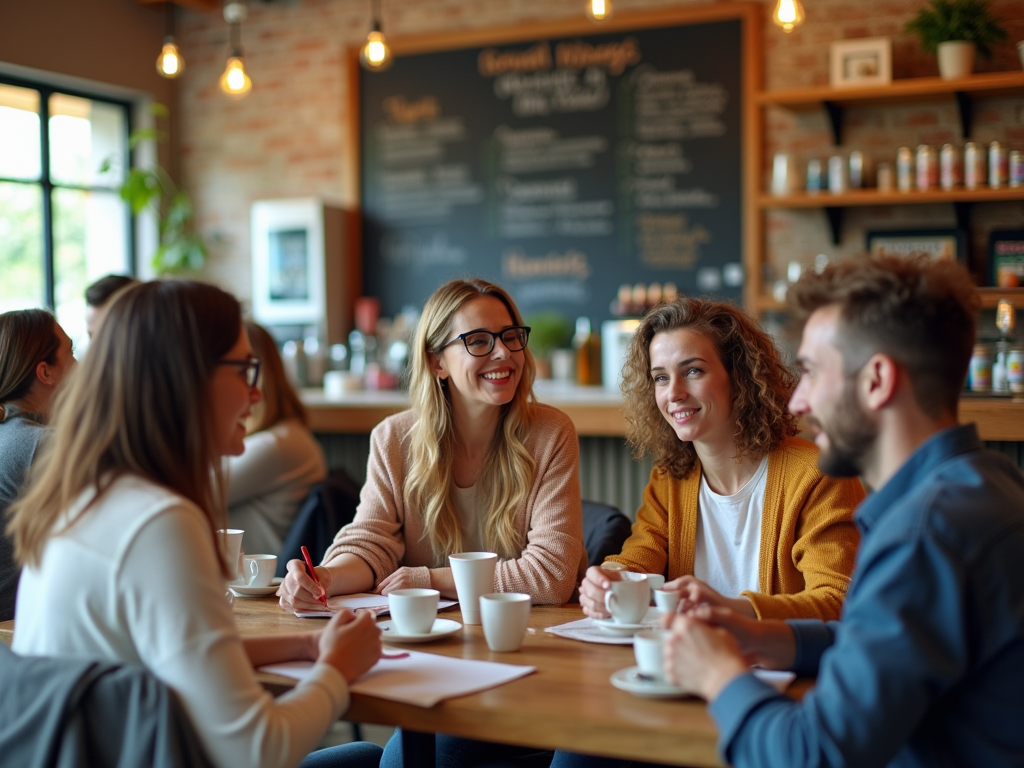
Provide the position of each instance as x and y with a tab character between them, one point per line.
736	512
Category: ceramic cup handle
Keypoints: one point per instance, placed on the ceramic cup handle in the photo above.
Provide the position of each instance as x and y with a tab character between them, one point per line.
608	600
254	571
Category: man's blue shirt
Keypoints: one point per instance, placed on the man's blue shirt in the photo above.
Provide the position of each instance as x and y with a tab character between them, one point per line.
926	666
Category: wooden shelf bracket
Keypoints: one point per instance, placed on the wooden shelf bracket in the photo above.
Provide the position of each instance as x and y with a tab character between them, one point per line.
835	221
835	118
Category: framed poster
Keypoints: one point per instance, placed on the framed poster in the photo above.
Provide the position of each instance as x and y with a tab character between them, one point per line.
937	243
1006	257
867	61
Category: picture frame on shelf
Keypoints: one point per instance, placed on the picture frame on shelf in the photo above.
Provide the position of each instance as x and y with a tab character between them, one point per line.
861	62
1006	258
940	244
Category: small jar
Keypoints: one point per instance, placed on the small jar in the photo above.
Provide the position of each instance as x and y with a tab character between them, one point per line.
998	165
814	175
1016	168
837	181
927	168
886	177
950	167
980	370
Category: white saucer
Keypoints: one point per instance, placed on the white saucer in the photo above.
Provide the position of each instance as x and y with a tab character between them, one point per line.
252	591
441	628
628	679
612	627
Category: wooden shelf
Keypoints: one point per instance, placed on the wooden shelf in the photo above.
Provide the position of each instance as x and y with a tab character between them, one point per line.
835	101
988	85
869	197
989	295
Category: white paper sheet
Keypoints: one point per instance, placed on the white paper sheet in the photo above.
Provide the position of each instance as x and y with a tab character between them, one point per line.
422	679
780	681
376	603
588	631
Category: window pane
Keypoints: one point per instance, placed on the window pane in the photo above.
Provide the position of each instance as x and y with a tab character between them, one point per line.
89	241
85	136
20	157
22	284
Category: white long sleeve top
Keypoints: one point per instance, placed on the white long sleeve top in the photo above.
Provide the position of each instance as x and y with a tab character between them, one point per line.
136	579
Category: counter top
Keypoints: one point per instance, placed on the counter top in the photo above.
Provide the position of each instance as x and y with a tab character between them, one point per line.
596	411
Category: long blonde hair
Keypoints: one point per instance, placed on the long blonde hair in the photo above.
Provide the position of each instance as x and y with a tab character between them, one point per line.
139	404
279	401
508	470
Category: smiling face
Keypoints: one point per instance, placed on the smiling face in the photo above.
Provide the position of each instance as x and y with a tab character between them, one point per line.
232	400
691	387
488	380
826	398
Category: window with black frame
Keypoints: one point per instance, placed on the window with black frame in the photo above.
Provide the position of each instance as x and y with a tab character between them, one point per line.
63	224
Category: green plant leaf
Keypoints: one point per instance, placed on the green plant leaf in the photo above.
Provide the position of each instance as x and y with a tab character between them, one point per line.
158	110
946	20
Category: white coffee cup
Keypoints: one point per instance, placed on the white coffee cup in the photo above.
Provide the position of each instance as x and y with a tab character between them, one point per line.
474	576
655	581
667	600
413	610
505	616
259	569
627	600
230	541
649	649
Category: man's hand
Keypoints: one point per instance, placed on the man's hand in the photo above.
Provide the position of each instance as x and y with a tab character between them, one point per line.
768	643
702	658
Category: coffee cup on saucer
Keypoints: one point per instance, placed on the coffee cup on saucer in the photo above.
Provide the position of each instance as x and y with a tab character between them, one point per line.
259	569
627	600
649	650
413	610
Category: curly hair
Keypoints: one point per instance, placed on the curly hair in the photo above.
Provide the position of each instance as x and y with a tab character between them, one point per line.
761	383
918	311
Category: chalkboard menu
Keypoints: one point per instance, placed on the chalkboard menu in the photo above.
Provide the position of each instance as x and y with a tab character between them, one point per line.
560	168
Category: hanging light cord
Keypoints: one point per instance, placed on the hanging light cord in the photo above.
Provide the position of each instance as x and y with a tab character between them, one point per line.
236	38
169	19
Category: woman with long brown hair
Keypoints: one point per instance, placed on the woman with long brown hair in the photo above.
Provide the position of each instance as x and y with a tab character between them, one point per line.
35	356
117	532
736	512
282	460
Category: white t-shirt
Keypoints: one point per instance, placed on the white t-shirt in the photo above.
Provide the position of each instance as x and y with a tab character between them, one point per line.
728	546
137	580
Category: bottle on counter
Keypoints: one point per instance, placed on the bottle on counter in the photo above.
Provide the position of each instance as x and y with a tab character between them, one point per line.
588	354
981	368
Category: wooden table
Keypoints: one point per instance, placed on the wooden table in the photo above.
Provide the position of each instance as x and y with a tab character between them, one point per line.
567	703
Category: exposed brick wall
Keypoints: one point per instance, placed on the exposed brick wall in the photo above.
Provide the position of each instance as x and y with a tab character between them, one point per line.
287	138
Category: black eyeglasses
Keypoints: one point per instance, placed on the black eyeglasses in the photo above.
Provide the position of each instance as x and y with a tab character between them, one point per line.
480	342
250	367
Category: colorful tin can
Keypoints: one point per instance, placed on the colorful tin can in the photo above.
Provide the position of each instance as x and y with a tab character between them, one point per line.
980	369
998	165
927	168
904	169
1016	168
814	175
974	165
857	169
950	167
1015	369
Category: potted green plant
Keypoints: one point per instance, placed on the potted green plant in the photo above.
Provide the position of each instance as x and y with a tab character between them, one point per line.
180	248
955	30
548	331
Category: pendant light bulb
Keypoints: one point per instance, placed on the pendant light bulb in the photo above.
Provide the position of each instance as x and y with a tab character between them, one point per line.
599	10
788	14
235	82
169	63
376	55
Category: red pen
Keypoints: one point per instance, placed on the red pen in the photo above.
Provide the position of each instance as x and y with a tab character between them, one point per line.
312	572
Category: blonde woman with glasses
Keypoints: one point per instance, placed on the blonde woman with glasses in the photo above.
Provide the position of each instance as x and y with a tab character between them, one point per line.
475	465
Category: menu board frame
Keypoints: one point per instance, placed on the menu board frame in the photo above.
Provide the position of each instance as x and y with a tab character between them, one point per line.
749	14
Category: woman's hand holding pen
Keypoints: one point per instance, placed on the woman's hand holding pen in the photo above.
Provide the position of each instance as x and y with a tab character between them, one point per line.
298	591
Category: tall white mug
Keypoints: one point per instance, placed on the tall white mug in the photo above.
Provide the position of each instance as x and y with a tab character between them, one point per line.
474	576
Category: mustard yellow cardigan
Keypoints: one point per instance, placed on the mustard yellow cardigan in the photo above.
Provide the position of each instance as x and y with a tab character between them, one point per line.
808	539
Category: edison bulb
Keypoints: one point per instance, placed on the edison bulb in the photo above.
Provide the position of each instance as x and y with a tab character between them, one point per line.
788	14
169	63
376	55
599	10
235	82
